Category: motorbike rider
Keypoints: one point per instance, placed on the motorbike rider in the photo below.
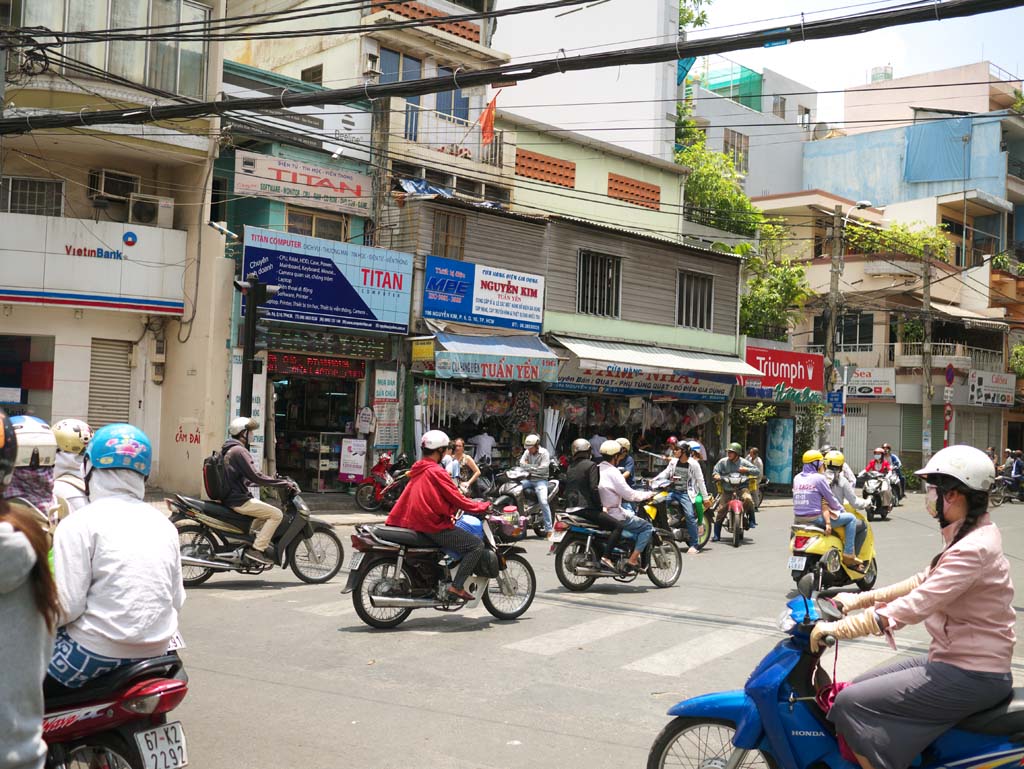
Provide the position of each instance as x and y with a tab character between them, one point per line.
845	493
687	481
242	474
612	490
878	463
897	468
628	465
965	599
847	470
732	463
814	504
537	460
429	504
117	564
72	436
582	480
32	481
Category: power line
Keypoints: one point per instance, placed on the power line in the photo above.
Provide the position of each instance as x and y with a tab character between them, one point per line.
819	30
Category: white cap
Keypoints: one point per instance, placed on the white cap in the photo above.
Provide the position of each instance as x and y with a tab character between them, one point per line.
240	424
969	465
531	440
434	439
611	448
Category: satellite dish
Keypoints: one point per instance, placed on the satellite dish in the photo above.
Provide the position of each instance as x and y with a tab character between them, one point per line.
820	131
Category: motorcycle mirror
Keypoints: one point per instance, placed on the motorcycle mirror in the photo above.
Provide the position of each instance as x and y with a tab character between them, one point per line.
805	585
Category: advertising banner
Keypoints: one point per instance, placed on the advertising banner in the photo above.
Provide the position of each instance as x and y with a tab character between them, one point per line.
572	377
872	383
327	283
991	388
778	456
385	408
353	460
482	295
504	368
788	375
304	184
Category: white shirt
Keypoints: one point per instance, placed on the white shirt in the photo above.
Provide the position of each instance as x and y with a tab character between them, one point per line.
696	483
538	463
848	474
613	489
845	492
760	465
118	570
484	445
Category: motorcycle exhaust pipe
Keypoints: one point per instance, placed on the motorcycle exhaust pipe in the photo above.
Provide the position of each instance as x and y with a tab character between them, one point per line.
397	602
590	571
187	560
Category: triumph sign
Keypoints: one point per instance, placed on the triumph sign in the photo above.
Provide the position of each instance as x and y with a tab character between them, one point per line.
788	375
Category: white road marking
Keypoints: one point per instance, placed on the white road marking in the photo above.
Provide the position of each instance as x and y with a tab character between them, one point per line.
689	655
549	644
334	608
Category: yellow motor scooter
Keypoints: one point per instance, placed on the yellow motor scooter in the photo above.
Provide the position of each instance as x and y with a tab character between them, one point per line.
813	551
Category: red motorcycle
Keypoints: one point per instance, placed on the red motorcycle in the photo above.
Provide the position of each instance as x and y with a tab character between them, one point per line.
370	491
119	720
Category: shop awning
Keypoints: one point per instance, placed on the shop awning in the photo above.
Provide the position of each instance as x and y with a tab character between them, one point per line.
495	358
594	354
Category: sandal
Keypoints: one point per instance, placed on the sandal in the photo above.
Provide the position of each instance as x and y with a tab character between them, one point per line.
854	563
607	564
460	593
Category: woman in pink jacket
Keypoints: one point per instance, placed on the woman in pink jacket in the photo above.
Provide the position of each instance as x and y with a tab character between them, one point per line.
964	598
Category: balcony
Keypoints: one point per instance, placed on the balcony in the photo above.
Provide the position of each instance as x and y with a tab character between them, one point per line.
963	357
446	134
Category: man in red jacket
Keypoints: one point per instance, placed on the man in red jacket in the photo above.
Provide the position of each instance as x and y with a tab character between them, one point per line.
428	505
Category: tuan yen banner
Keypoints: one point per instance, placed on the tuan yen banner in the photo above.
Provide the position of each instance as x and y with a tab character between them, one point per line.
328	283
504	368
482	295
573	377
787	375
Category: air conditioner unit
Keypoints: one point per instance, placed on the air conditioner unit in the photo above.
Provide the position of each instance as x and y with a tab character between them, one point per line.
152	210
371	69
112	185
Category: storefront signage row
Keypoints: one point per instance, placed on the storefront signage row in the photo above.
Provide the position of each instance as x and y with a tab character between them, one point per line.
691	388
483	296
991	388
327	283
872	383
787	376
491	368
300	183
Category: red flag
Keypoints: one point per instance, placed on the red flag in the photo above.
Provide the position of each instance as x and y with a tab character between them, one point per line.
487	120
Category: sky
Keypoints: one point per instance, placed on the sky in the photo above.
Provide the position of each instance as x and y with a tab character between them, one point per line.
823	65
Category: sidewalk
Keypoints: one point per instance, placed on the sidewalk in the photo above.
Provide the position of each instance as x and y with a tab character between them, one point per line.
336	509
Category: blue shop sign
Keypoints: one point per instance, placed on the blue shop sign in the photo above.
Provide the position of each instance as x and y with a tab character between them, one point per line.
481	295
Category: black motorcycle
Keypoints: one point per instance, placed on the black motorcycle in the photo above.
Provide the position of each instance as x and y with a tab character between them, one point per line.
508	489
213	538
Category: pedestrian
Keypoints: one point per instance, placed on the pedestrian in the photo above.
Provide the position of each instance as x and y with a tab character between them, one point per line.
467	471
596	441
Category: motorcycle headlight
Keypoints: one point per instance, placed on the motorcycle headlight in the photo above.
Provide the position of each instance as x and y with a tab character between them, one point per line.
786	622
300	505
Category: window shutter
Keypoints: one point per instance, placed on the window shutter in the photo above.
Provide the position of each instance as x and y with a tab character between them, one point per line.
109	382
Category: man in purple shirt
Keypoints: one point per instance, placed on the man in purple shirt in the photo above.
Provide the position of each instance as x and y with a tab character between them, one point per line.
810	489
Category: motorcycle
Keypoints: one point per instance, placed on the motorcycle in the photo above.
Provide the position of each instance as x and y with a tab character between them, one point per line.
508	489
1001	487
668	516
578	543
812	551
370	491
119	720
213	538
877	489
897	487
737	519
394	570
390	494
776	721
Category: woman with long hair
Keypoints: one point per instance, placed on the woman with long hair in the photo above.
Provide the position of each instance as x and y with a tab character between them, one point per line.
29	611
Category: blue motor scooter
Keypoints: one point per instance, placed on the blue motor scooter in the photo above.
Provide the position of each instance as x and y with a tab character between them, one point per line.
775	721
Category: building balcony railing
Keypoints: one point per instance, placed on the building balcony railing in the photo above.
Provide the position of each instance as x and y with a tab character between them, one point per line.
911	355
1015	167
448	134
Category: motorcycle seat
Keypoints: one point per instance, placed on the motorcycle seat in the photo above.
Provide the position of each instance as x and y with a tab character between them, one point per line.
797	528
59	697
1005	719
218	511
401	536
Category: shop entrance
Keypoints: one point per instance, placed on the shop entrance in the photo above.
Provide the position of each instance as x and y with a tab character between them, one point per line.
26	375
315	403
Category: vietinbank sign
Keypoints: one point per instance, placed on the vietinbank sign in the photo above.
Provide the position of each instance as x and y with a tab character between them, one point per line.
788	375
329	283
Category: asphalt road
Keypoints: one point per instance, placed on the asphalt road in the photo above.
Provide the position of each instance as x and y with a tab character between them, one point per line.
284	675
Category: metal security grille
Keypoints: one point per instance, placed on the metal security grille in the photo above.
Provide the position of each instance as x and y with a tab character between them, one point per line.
696	297
598	283
109	382
42	197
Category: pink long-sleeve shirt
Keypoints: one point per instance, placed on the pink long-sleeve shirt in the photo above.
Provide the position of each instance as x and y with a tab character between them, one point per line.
966	602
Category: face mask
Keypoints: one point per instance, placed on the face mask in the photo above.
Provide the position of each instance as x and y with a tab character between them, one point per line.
831	475
878	456
934	504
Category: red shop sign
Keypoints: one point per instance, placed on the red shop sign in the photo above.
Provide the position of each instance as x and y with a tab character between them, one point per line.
316	365
798	370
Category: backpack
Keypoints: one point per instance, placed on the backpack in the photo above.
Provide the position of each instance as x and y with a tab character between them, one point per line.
215	477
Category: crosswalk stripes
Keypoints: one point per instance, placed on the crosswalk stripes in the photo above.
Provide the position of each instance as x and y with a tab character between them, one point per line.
690	655
555	642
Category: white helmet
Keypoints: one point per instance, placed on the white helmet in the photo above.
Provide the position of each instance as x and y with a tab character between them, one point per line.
580	445
969	465
72	435
433	440
240	424
611	448
531	440
624	442
37	446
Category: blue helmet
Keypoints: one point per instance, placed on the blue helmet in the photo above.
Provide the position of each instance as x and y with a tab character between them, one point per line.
120	446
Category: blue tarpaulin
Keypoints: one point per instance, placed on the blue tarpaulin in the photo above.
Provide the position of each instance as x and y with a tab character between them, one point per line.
936	151
683	67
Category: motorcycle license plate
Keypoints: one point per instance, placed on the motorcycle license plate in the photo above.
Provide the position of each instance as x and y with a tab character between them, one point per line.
176	642
557	537
797	562
163	747
355	560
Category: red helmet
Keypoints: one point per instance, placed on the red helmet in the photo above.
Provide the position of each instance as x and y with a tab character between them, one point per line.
672	440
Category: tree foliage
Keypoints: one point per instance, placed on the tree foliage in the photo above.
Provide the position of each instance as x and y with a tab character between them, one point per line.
745	417
693	13
714	189
1018	101
810	428
776	292
1016	364
899	238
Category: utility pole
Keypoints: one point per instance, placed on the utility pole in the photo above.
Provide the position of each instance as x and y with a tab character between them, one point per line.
380	141
833	296
254	294
926	355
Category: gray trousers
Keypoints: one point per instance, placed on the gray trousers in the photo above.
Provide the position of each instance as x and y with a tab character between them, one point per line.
891	714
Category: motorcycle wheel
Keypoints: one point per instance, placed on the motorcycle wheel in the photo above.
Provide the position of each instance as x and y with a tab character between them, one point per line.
195	541
871	513
369	583
366	497
667	575
523	583
737	529
538	526
317	558
704	531
106	750
703	742
570	552
870	577
885	512
997	496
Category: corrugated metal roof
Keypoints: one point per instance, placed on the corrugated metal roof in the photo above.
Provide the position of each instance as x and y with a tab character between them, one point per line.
688	244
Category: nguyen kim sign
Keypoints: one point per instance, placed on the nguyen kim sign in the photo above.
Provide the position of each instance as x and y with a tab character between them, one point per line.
484	296
328	283
788	376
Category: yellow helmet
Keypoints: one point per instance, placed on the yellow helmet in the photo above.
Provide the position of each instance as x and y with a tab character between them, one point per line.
72	435
835	460
812	455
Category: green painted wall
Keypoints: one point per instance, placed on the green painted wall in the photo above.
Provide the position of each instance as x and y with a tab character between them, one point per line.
641	333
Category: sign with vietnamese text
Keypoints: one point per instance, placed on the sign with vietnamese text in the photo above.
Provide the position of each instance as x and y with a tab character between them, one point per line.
482	295
300	183
495	368
315	365
385	408
353	460
633	382
872	383
991	388
329	283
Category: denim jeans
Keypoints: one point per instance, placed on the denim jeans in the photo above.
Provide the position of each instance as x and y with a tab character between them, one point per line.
541	488
686	504
641	529
848	523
